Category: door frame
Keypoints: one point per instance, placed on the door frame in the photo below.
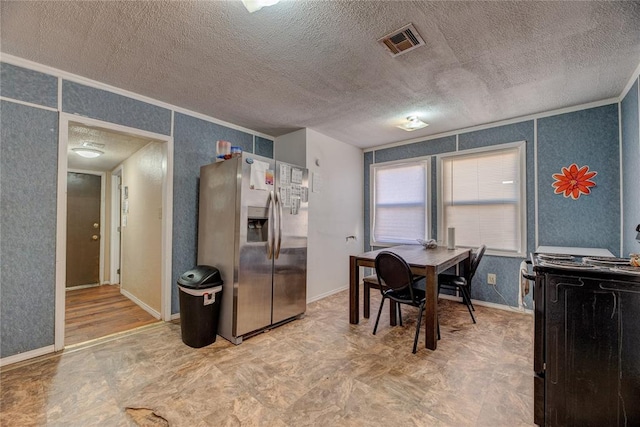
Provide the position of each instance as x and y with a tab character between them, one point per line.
61	221
115	234
103	193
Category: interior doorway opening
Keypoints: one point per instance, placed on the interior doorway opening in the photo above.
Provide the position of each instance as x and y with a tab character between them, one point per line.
96	293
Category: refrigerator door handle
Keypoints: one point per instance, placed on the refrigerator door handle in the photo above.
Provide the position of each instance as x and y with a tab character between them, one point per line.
271	227
279	222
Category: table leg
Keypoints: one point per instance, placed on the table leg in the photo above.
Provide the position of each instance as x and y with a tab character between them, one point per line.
354	291
431	310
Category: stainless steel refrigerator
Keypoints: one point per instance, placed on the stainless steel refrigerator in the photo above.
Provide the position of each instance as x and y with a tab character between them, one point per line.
253	228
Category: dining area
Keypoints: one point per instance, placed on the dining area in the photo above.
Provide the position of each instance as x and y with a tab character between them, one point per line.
412	275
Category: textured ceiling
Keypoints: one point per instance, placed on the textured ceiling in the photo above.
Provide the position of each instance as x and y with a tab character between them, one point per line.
317	64
117	147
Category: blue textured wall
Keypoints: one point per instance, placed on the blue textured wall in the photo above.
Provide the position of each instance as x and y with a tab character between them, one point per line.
264	147
631	170
417	149
28	168
587	137
506	268
113	108
194	146
28	85
28	171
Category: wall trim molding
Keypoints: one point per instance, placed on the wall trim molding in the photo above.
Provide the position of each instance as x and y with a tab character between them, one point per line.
20	357
489	304
327	294
28	104
167	218
35	66
535	182
630	83
505	122
621	183
141	304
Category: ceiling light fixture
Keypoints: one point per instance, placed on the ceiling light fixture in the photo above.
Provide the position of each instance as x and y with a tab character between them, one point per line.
256	5
413	123
89	153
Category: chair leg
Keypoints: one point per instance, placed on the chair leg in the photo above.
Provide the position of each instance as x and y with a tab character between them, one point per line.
393	317
438	320
399	314
468	292
367	300
415	340
375	328
467	301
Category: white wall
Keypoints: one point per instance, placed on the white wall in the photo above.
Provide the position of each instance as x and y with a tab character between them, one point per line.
142	235
292	148
334	213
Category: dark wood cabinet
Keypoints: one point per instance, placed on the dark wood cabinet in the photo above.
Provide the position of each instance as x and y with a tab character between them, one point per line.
587	359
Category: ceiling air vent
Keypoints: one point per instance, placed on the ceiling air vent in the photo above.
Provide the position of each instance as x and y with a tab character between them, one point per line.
402	40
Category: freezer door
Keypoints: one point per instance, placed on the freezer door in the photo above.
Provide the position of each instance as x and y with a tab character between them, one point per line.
290	256
254	286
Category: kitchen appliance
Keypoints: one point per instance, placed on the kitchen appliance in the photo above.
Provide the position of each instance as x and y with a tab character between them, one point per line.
253	228
587	340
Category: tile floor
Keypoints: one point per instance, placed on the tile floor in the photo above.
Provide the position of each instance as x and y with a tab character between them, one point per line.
317	371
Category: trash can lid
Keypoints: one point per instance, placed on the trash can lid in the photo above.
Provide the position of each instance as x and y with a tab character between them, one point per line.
201	276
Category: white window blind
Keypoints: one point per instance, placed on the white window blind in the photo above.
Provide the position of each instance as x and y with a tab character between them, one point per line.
482	198
399	202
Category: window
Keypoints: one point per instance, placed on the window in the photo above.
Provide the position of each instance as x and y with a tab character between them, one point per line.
399	212
483	197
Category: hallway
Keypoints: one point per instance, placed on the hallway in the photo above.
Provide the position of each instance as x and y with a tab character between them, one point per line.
96	312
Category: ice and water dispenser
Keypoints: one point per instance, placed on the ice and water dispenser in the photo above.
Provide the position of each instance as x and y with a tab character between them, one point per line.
257	224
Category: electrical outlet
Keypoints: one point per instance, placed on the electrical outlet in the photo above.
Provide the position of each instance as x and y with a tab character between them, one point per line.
491	279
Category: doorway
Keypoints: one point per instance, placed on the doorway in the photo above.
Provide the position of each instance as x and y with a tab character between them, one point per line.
92	300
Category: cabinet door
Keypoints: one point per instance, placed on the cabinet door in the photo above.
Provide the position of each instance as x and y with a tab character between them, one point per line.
592	352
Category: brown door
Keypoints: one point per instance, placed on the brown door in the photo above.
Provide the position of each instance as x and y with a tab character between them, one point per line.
83	229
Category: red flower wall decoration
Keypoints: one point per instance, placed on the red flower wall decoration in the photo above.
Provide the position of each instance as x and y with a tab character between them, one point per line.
574	181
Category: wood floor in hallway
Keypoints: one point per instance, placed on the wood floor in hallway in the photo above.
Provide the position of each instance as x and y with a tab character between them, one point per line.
99	311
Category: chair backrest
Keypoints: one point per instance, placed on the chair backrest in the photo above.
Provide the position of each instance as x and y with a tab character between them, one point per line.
394	272
475	261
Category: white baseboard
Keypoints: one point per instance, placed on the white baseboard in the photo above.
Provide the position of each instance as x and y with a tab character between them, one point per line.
142	305
26	355
75	288
443	296
175	316
326	294
489	304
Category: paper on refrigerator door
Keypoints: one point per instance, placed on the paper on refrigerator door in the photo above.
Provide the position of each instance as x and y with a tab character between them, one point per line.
285	175
296	176
285	196
258	178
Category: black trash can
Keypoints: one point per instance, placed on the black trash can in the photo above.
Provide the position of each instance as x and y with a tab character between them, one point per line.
200	295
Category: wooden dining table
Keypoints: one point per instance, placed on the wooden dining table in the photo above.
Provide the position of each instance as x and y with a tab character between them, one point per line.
423	262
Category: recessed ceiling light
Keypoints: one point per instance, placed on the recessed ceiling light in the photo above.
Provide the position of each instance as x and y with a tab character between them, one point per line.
89	153
256	5
413	123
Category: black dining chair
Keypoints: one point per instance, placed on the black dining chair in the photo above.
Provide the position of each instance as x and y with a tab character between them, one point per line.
399	287
463	283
